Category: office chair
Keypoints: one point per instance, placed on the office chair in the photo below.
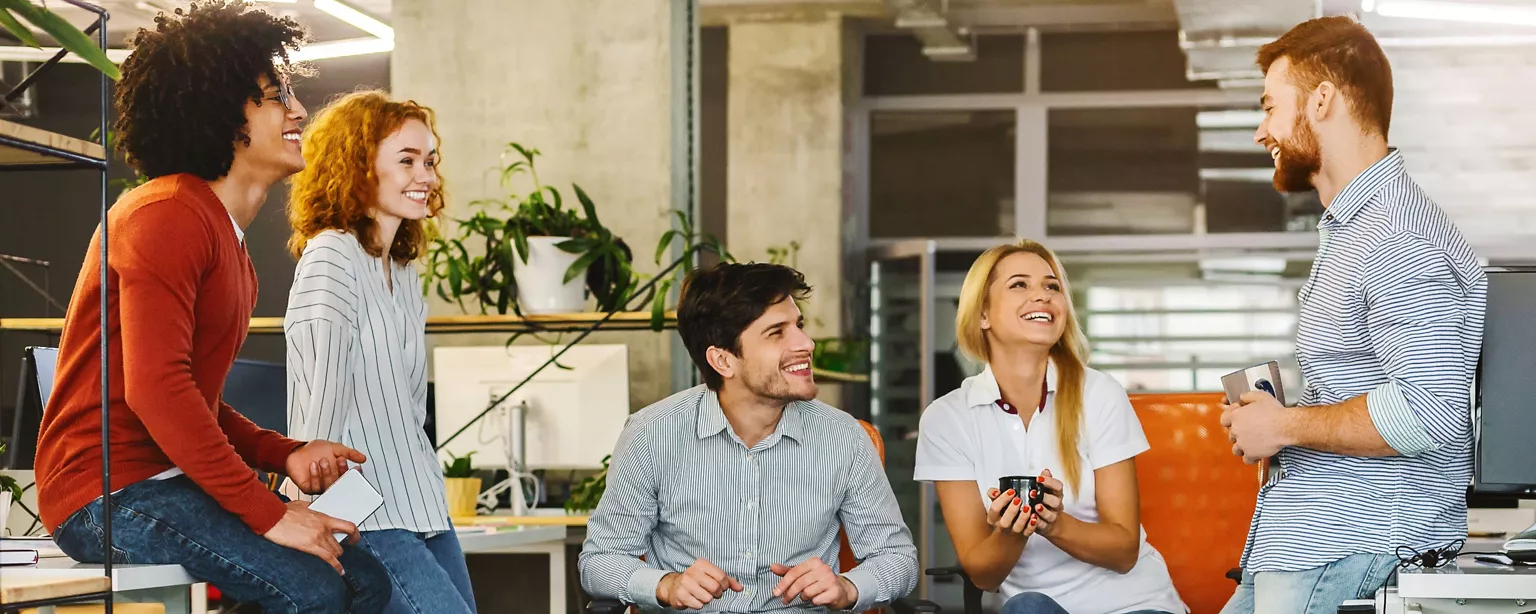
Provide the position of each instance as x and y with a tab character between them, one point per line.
844	557
1196	499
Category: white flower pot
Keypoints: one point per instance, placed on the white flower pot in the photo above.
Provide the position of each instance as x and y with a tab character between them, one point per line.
5	510
541	286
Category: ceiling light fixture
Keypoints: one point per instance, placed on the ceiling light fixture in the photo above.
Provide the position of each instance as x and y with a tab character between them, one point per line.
356	18
1452	11
343	48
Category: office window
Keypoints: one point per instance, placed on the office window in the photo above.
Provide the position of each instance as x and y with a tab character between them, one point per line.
941	173
1161	333
1164	170
1113	61
894	65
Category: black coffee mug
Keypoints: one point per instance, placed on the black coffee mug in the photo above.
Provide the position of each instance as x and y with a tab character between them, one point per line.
1026	487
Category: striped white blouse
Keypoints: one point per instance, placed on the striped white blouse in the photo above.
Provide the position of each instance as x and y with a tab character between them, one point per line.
357	374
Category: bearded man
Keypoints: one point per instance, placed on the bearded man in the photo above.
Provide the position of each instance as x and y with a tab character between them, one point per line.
1378	453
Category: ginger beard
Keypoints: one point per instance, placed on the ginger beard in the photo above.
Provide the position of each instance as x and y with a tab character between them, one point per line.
1300	159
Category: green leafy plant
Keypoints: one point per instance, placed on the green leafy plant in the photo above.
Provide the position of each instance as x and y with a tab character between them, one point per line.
477	262
459	467
8	484
501	229
13	12
586	494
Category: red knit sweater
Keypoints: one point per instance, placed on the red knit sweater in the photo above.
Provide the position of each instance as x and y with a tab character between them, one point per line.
181	291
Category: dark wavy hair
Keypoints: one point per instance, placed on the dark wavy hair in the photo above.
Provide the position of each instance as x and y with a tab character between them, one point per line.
718	303
181	100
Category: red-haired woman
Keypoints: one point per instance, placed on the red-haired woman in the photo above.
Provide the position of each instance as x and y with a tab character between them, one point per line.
357	359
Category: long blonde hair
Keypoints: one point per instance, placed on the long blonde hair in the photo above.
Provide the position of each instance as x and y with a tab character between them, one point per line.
1070	352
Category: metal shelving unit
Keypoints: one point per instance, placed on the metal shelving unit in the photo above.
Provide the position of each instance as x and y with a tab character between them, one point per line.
25	148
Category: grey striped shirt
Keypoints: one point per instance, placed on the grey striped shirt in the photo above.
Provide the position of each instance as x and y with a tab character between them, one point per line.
682	486
1394	311
357	374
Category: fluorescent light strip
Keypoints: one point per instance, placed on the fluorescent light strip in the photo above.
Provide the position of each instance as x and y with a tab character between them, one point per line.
1229	119
1454	11
356	18
28	54
343	48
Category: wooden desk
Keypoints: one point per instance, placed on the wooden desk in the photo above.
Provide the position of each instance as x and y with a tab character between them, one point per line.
166	584
16	589
521	521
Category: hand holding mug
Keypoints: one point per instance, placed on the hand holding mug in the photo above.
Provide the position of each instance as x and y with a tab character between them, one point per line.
1048	507
1007	513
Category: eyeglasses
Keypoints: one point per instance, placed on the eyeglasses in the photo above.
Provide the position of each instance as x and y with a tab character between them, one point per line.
284	93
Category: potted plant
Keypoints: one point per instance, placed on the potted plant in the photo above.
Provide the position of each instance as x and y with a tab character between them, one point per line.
505	238
540	258
462	486
13	12
10	493
586	494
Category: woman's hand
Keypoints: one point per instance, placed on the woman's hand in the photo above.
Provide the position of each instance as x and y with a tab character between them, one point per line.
1049	511
1008	514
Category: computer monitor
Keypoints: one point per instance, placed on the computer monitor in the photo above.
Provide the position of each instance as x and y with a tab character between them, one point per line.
576	409
32	391
1504	420
259	391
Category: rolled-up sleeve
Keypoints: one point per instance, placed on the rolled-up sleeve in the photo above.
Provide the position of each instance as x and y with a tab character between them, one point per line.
878	536
618	531
1416	306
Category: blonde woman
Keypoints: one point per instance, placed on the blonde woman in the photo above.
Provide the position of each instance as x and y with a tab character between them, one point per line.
1037	410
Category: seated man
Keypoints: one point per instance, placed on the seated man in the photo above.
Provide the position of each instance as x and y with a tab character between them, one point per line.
734	491
205	112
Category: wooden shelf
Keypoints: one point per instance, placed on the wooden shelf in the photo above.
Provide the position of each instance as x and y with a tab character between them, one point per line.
25	146
841	378
630	320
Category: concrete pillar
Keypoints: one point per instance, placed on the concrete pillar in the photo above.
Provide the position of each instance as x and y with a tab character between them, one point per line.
788	88
587	82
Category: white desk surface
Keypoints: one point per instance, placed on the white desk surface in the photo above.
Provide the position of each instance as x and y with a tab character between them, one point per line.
1468	579
124	577
509	537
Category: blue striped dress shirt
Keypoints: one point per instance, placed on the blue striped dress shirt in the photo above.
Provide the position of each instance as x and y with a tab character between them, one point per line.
1393	310
682	486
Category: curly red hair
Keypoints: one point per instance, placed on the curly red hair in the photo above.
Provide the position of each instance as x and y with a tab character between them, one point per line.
338	188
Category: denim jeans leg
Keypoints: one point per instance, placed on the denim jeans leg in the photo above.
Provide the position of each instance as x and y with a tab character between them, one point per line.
174	522
1032	603
1321	590
420	584
445	548
1242	598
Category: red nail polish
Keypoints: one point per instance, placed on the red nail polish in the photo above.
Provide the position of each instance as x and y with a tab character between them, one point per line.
1032	521
1015	500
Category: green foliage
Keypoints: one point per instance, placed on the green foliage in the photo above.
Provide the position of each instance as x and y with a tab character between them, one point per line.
477	261
8	484
501	229
585	495
460	467
13	12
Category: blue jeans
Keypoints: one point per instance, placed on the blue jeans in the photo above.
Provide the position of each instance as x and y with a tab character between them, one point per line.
428	573
1040	603
1313	591
174	522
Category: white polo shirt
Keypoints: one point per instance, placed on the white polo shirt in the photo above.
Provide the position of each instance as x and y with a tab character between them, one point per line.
965	436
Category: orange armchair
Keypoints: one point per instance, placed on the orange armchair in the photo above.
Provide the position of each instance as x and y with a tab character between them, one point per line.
1196	497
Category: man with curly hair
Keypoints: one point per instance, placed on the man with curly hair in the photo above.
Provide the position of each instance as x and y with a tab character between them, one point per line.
205	110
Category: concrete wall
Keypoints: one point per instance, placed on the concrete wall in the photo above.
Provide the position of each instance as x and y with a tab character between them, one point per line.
585	81
1464	122
786	139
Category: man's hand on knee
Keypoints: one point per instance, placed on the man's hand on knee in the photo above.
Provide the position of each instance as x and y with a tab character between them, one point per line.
309	531
696	587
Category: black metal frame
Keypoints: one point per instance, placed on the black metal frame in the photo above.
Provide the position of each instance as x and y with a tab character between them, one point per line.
77	162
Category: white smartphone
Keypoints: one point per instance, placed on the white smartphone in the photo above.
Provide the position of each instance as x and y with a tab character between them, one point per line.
350	498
